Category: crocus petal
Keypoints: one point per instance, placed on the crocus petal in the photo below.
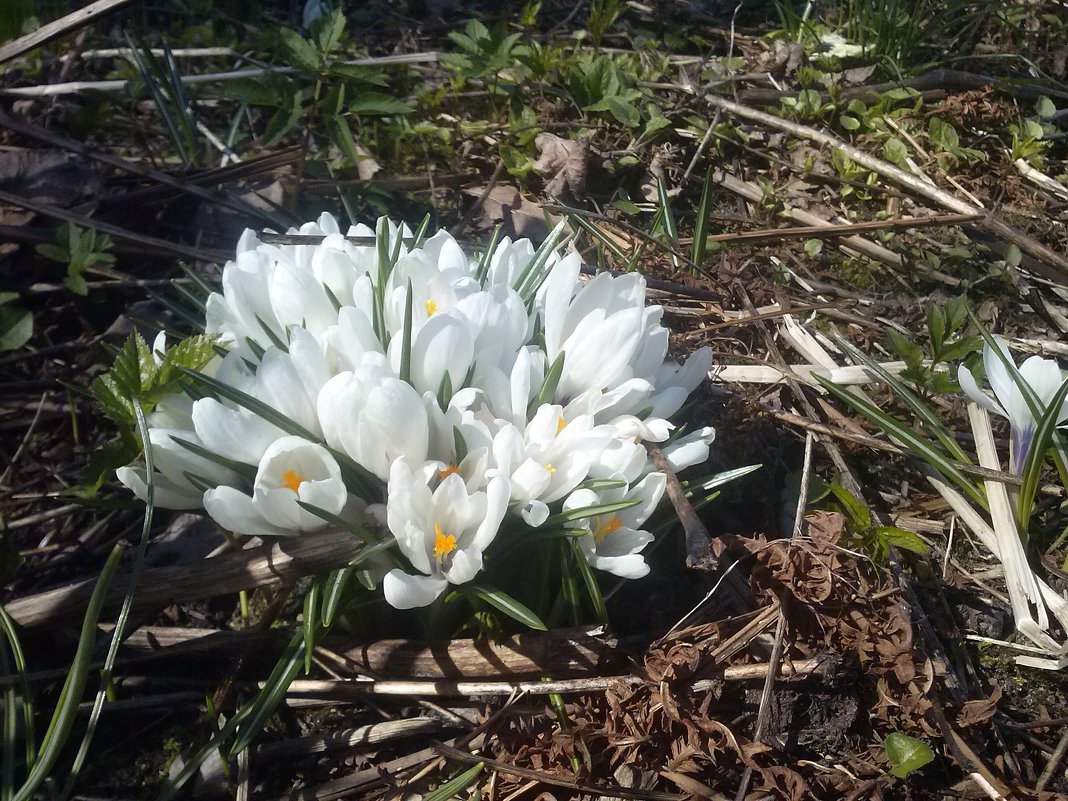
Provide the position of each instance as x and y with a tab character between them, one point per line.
971	388
236	512
405	591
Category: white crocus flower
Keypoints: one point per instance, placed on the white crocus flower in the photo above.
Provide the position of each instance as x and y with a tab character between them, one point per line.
1044	378
615	350
499	323
690	449
243	311
614	540
508	391
442	346
442	533
291	470
547	460
374	417
172	489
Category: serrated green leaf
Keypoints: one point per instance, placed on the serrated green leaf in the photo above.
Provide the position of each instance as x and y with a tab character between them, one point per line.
300	52
53	252
283	120
327	30
378	103
16	327
341	135
104	461
855	508
359	73
936	327
894	150
254	91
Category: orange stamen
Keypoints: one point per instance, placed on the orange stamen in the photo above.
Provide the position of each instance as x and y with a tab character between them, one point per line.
448	470
292	480
443	543
602	530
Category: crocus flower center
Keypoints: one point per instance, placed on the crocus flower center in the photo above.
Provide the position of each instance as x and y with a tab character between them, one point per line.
549	467
292	480
560	424
447	471
430	307
444	544
603	525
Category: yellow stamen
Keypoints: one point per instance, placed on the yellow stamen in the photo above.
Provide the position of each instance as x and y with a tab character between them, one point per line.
443	543
448	471
603	529
549	467
292	480
430	307
560	424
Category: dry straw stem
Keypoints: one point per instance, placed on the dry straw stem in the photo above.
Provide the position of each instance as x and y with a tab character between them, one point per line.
217	197
265	566
198	254
75	87
358	688
1056	266
56	28
1022	584
975	522
851	243
829	230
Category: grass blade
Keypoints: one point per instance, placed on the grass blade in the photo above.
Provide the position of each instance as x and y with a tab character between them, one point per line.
456	785
700	230
487	256
918	407
593	589
70	696
312	610
589	511
406	337
1032	468
547	391
667	219
19	658
274	690
503	602
920	447
333	592
531	273
127	603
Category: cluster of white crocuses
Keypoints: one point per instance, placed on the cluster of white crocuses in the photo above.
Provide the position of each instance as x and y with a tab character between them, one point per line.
455	400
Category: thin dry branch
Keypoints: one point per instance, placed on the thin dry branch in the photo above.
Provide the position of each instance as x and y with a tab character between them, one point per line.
53	30
215	196
199	254
1056	265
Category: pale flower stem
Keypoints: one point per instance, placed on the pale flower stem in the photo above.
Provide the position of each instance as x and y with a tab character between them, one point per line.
1019	578
974	521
